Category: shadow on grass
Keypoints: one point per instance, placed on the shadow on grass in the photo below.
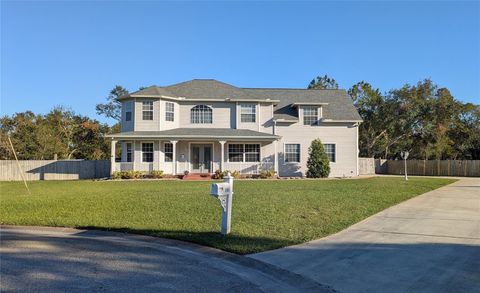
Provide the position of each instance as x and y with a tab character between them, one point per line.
233	242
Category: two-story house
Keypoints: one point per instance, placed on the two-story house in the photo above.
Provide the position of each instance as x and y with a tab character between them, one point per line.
205	125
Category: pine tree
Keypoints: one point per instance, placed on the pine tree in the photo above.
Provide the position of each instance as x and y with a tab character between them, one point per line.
318	164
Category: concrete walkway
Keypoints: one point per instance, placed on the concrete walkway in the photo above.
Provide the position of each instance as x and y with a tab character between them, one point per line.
430	243
69	260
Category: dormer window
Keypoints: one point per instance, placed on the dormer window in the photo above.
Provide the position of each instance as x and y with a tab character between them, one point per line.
147	110
201	114
248	113
310	115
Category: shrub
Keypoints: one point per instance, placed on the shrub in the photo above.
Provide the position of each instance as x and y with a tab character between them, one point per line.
127	174
318	164
157	174
219	174
266	173
116	175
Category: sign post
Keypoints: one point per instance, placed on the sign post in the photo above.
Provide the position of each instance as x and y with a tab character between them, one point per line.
404	157
224	193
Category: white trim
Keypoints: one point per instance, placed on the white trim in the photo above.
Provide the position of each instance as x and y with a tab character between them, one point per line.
243	154
335	144
198	100
256	111
299	152
190	165
141	151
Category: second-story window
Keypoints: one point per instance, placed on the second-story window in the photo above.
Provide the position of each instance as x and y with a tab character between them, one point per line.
201	114
128	111
169	111
147	110
248	112
310	115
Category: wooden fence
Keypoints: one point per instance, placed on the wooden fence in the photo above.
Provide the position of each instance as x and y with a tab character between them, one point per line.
54	170
465	168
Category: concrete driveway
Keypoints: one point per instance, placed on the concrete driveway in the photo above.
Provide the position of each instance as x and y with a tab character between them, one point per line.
69	260
430	243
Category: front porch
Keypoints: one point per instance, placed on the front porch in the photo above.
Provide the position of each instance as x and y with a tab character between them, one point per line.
200	153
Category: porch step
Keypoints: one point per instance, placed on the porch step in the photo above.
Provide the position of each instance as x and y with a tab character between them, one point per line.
197	176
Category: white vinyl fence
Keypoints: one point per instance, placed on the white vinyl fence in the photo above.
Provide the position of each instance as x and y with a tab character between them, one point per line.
54	170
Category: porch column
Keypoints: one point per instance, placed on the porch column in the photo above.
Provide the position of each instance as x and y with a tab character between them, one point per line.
112	156
275	158
174	161
222	154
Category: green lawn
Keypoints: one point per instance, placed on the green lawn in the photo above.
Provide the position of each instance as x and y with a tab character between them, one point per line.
266	214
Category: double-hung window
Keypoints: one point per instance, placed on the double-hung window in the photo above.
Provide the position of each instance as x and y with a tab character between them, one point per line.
168	151
310	115
129	151
239	152
169	111
201	114
147	110
235	152
252	153
147	152
248	112
331	152
128	111
292	153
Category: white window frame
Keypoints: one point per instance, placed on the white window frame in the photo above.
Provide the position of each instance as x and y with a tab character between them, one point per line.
248	110
169	152
334	151
128	109
143	152
299	152
169	111
147	108
310	116
128	150
198	114
244	153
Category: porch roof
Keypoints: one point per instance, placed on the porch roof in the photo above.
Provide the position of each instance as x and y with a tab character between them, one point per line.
197	133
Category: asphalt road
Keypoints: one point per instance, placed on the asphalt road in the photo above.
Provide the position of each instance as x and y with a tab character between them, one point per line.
69	260
430	243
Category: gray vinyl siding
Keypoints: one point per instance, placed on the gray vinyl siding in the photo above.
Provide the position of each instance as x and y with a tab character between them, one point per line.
146	125
343	135
127	125
165	125
223	115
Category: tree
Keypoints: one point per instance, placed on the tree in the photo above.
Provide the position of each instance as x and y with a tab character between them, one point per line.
60	132
113	108
324	82
318	164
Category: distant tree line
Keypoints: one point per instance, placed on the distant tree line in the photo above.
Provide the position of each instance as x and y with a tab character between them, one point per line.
61	133
424	119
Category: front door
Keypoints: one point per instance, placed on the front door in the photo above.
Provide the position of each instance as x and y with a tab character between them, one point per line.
201	158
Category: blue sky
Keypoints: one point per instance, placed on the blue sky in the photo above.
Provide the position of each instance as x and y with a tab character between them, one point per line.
72	53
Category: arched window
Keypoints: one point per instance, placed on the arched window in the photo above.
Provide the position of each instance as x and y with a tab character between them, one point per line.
201	114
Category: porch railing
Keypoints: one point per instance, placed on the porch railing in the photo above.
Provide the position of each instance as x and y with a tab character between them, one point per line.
124	166
249	168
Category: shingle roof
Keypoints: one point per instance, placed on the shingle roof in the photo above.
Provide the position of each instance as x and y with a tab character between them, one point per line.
340	106
214	133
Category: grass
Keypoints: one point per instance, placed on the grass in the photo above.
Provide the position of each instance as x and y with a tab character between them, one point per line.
266	214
